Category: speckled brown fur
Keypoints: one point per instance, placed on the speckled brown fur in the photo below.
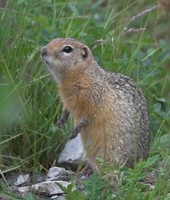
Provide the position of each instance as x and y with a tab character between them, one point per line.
115	110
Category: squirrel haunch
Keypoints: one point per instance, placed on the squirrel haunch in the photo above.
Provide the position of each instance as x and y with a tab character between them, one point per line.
109	111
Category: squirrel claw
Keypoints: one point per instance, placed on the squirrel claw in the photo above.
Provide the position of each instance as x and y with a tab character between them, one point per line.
74	135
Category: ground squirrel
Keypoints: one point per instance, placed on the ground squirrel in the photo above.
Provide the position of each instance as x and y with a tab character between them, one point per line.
109	111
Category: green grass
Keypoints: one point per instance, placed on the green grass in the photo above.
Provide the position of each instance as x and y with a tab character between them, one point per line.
29	102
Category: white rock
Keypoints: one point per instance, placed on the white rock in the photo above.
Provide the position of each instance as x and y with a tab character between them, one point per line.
58	197
23	190
72	154
47	187
22	179
56	171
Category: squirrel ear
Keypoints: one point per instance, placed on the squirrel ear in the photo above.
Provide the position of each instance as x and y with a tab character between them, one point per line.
85	53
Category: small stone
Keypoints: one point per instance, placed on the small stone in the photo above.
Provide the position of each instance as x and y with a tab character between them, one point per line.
152	187
48	188
56	171
24	189
38	178
22	179
73	154
58	198
59	173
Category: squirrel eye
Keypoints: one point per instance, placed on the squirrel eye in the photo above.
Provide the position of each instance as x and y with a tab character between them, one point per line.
67	49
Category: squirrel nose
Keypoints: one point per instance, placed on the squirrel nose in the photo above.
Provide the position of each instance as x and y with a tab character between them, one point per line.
43	51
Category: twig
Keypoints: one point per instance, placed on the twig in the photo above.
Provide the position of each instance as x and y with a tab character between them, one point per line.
135	30
98	43
125	30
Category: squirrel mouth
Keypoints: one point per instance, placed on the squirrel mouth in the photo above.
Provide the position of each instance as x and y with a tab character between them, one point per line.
46	60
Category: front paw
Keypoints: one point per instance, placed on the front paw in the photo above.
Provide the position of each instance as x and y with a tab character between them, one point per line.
74	135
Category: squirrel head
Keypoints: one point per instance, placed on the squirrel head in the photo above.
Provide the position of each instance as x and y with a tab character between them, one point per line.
64	56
